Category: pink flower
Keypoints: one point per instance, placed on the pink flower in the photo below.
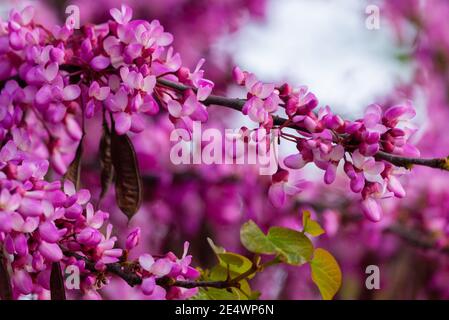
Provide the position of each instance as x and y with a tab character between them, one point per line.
282	187
371	209
148	285
159	268
50	251
204	86
133	239
122	16
238	75
398	113
184	114
100	62
22	282
263	99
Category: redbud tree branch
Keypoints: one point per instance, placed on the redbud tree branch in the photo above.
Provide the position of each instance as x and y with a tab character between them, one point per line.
133	279
415	238
237	104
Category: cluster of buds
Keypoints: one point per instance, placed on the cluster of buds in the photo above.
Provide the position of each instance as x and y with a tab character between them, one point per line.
325	139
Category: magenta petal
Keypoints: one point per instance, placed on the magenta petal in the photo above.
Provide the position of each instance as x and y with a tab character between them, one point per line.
100	63
31	207
27	15
43	279
146	261
161	267
165	39
5	222
49	232
71	92
122	122
159	293
357	182
50	251
44	96
21	245
51	71
174	108
238	75
330	174
137	123
148	285
395	186
372	209
294	161
22	282
277	195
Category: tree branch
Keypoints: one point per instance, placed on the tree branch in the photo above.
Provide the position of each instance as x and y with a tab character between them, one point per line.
237	104
134	279
415	239
438	163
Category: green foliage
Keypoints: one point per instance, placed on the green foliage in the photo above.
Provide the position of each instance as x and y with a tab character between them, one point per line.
311	226
326	273
291	246
230	265
254	239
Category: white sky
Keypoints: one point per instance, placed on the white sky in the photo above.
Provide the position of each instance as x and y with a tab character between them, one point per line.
325	45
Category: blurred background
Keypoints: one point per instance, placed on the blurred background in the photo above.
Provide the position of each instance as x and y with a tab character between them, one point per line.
326	45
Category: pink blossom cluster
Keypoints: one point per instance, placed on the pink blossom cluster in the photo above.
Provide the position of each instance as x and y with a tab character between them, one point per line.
111	66
219	197
170	266
40	219
43	222
326	139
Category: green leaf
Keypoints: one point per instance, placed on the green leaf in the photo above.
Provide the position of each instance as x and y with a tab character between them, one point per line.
255	295
235	262
292	246
220	273
326	273
311	226
254	239
215	248
220	294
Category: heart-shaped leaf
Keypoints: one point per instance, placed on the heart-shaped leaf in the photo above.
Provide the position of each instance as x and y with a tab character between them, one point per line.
311	226
293	247
326	273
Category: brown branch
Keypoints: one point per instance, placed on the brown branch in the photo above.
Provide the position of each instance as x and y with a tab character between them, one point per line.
134	279
438	163
237	104
415	239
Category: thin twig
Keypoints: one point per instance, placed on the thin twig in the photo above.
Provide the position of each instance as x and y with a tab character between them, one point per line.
134	279
237	104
